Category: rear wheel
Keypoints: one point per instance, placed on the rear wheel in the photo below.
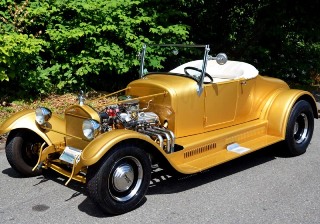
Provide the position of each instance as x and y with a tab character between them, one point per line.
300	128
121	181
22	151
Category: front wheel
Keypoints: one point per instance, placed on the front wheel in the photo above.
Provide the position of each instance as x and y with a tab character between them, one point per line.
121	181
299	128
22	151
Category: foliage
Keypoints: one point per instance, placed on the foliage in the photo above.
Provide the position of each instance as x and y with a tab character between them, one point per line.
61	46
72	42
290	42
280	37
19	53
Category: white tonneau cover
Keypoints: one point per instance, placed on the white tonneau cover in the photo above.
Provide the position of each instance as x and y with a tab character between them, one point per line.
228	71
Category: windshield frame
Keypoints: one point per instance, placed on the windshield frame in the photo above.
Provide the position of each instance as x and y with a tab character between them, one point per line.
204	62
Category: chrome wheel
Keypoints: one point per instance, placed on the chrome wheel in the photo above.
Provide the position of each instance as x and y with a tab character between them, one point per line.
126	178
300	132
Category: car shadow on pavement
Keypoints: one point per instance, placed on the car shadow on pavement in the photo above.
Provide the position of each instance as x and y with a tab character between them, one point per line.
168	182
164	181
12	173
90	208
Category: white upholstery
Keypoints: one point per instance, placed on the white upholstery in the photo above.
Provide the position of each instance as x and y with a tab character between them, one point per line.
230	70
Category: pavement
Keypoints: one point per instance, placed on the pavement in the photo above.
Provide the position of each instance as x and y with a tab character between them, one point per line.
262	187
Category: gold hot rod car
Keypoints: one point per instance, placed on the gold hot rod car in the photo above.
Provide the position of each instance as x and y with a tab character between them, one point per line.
194	117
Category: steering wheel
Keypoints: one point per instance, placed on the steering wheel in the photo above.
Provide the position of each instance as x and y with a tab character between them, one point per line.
198	70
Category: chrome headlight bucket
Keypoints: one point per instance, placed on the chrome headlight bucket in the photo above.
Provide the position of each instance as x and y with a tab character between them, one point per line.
90	128
42	115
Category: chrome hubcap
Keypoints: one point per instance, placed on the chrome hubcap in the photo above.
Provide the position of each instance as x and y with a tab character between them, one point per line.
123	178
300	131
126	178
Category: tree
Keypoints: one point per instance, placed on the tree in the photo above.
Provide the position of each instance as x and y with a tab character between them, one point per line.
76	40
57	45
281	38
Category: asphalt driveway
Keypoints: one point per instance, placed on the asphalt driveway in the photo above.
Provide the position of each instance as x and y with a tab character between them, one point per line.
262	187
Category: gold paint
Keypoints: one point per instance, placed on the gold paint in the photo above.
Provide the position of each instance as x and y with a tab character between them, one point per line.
253	114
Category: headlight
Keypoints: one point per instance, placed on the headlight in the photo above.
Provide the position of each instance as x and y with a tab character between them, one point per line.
42	115
90	128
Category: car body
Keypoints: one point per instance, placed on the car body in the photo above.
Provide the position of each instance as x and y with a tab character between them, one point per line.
194	117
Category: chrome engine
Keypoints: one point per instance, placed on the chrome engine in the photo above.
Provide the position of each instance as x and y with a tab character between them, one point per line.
128	115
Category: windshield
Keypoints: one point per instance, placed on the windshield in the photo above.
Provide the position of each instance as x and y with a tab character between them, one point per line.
181	59
172	59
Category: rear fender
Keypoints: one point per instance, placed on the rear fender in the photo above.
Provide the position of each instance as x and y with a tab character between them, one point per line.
279	111
97	148
26	120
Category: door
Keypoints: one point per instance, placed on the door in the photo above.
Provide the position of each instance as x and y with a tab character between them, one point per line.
220	104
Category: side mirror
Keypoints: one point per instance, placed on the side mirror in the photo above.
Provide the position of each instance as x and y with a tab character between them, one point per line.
221	58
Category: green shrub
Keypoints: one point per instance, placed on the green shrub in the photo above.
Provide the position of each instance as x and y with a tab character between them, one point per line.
61	45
